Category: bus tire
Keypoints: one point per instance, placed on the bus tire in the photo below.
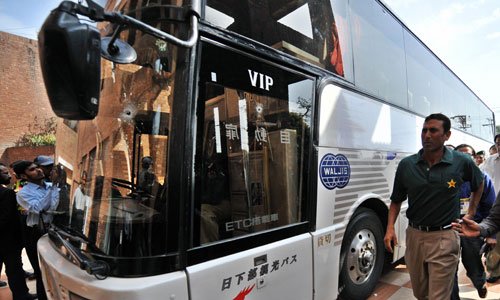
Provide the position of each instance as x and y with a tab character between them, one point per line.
362	255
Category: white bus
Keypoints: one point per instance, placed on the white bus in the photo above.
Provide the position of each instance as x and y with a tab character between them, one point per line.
235	149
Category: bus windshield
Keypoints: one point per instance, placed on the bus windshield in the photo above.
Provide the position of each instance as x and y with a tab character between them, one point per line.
117	193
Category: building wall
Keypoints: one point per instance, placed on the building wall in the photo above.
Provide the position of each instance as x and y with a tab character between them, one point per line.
67	145
13	154
22	91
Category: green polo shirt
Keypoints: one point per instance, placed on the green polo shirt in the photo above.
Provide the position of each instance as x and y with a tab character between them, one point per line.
433	192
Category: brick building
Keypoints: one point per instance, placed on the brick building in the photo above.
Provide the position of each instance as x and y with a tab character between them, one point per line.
22	91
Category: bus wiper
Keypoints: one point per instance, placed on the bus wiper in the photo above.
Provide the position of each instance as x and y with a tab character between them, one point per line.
100	269
77	236
72	234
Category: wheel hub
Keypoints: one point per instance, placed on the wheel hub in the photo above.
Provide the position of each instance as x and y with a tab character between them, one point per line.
361	256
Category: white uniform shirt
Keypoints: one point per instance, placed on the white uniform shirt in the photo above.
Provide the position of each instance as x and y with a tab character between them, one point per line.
80	199
491	166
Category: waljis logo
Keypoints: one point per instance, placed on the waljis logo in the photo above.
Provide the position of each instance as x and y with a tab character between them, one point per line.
334	171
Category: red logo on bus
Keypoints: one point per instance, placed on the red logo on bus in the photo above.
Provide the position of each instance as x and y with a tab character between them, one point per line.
241	295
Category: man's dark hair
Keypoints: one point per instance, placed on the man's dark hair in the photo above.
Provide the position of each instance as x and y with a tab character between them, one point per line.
146	162
496	137
4	180
20	167
465	146
481	152
440	117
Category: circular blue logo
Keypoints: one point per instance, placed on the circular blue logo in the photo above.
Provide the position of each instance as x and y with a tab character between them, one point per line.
334	171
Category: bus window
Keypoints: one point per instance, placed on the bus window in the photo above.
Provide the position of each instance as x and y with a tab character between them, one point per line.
487	122
378	50
252	150
312	31
425	83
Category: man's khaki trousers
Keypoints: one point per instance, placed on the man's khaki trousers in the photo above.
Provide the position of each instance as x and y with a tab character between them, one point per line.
432	260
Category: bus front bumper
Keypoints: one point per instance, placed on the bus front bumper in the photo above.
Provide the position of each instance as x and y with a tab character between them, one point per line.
65	280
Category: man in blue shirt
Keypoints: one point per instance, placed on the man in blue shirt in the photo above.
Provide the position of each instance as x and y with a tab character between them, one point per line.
35	197
471	259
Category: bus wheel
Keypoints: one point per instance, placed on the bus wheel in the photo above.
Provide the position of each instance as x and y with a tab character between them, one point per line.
362	255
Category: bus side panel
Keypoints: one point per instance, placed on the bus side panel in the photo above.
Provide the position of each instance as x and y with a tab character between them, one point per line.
62	278
326	264
352	124
280	270
351	120
361	142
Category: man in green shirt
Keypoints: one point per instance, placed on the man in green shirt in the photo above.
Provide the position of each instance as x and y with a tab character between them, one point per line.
431	180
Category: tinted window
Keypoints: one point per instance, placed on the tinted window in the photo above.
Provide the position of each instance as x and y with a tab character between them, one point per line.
252	146
310	30
487	124
454	97
378	50
425	86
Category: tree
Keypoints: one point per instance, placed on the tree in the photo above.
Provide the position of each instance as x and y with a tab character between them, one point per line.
40	133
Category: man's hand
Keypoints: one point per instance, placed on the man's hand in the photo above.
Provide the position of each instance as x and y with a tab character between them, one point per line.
468	217
491	241
467	228
390	239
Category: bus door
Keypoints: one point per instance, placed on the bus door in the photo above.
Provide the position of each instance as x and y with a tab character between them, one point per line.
250	227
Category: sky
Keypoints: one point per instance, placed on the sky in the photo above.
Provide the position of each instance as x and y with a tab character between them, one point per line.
465	34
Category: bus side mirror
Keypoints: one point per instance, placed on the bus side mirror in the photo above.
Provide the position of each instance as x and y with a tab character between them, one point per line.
71	64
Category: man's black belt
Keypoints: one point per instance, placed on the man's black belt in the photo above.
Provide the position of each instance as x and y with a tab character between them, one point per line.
430	228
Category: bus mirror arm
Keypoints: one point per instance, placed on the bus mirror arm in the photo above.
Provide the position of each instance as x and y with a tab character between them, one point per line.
98	268
97	13
188	43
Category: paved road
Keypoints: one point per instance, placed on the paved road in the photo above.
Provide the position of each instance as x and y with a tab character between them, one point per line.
395	285
5	293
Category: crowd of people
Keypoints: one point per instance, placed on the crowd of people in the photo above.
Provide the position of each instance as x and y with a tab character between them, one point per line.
24	217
